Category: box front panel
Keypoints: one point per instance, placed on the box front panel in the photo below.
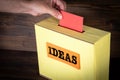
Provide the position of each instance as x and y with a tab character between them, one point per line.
58	67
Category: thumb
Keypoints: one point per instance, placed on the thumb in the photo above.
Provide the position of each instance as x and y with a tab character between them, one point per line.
55	13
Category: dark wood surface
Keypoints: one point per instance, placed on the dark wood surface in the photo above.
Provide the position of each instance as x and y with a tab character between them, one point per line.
23	65
18	65
18	56
17	30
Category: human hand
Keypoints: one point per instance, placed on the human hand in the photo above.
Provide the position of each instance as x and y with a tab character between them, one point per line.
33	7
38	7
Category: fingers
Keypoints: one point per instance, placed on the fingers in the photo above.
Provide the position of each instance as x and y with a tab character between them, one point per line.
60	3
37	8
55	13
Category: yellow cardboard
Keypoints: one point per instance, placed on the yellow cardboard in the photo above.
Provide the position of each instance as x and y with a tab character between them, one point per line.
57	45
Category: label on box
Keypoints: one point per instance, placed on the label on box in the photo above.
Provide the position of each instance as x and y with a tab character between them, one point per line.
63	55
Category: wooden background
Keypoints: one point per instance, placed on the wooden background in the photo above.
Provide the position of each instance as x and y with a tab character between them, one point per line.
17	37
17	30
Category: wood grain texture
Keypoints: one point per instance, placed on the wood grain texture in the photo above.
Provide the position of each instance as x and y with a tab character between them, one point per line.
17	30
18	65
23	65
17	33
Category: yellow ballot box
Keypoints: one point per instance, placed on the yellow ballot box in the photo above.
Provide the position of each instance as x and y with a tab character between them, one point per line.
64	54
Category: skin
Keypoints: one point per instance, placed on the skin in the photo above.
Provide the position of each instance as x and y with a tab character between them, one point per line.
33	7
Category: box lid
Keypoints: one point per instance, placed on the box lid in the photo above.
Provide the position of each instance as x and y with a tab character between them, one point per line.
90	34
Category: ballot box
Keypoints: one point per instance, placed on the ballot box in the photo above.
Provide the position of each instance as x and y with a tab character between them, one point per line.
65	54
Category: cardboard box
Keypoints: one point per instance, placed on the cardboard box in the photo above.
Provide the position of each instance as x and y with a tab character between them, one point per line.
64	54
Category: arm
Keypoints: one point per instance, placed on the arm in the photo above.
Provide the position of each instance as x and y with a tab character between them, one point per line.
33	7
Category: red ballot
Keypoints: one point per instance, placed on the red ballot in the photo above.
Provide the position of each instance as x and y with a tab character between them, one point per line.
71	21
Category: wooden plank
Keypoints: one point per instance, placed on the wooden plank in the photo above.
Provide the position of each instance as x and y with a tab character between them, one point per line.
101	16
18	65
24	43
17	31
22	65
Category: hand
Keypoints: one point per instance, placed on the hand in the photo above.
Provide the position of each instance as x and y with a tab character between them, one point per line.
33	7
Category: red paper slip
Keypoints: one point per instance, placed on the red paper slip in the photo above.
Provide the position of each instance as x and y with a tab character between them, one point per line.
71	21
